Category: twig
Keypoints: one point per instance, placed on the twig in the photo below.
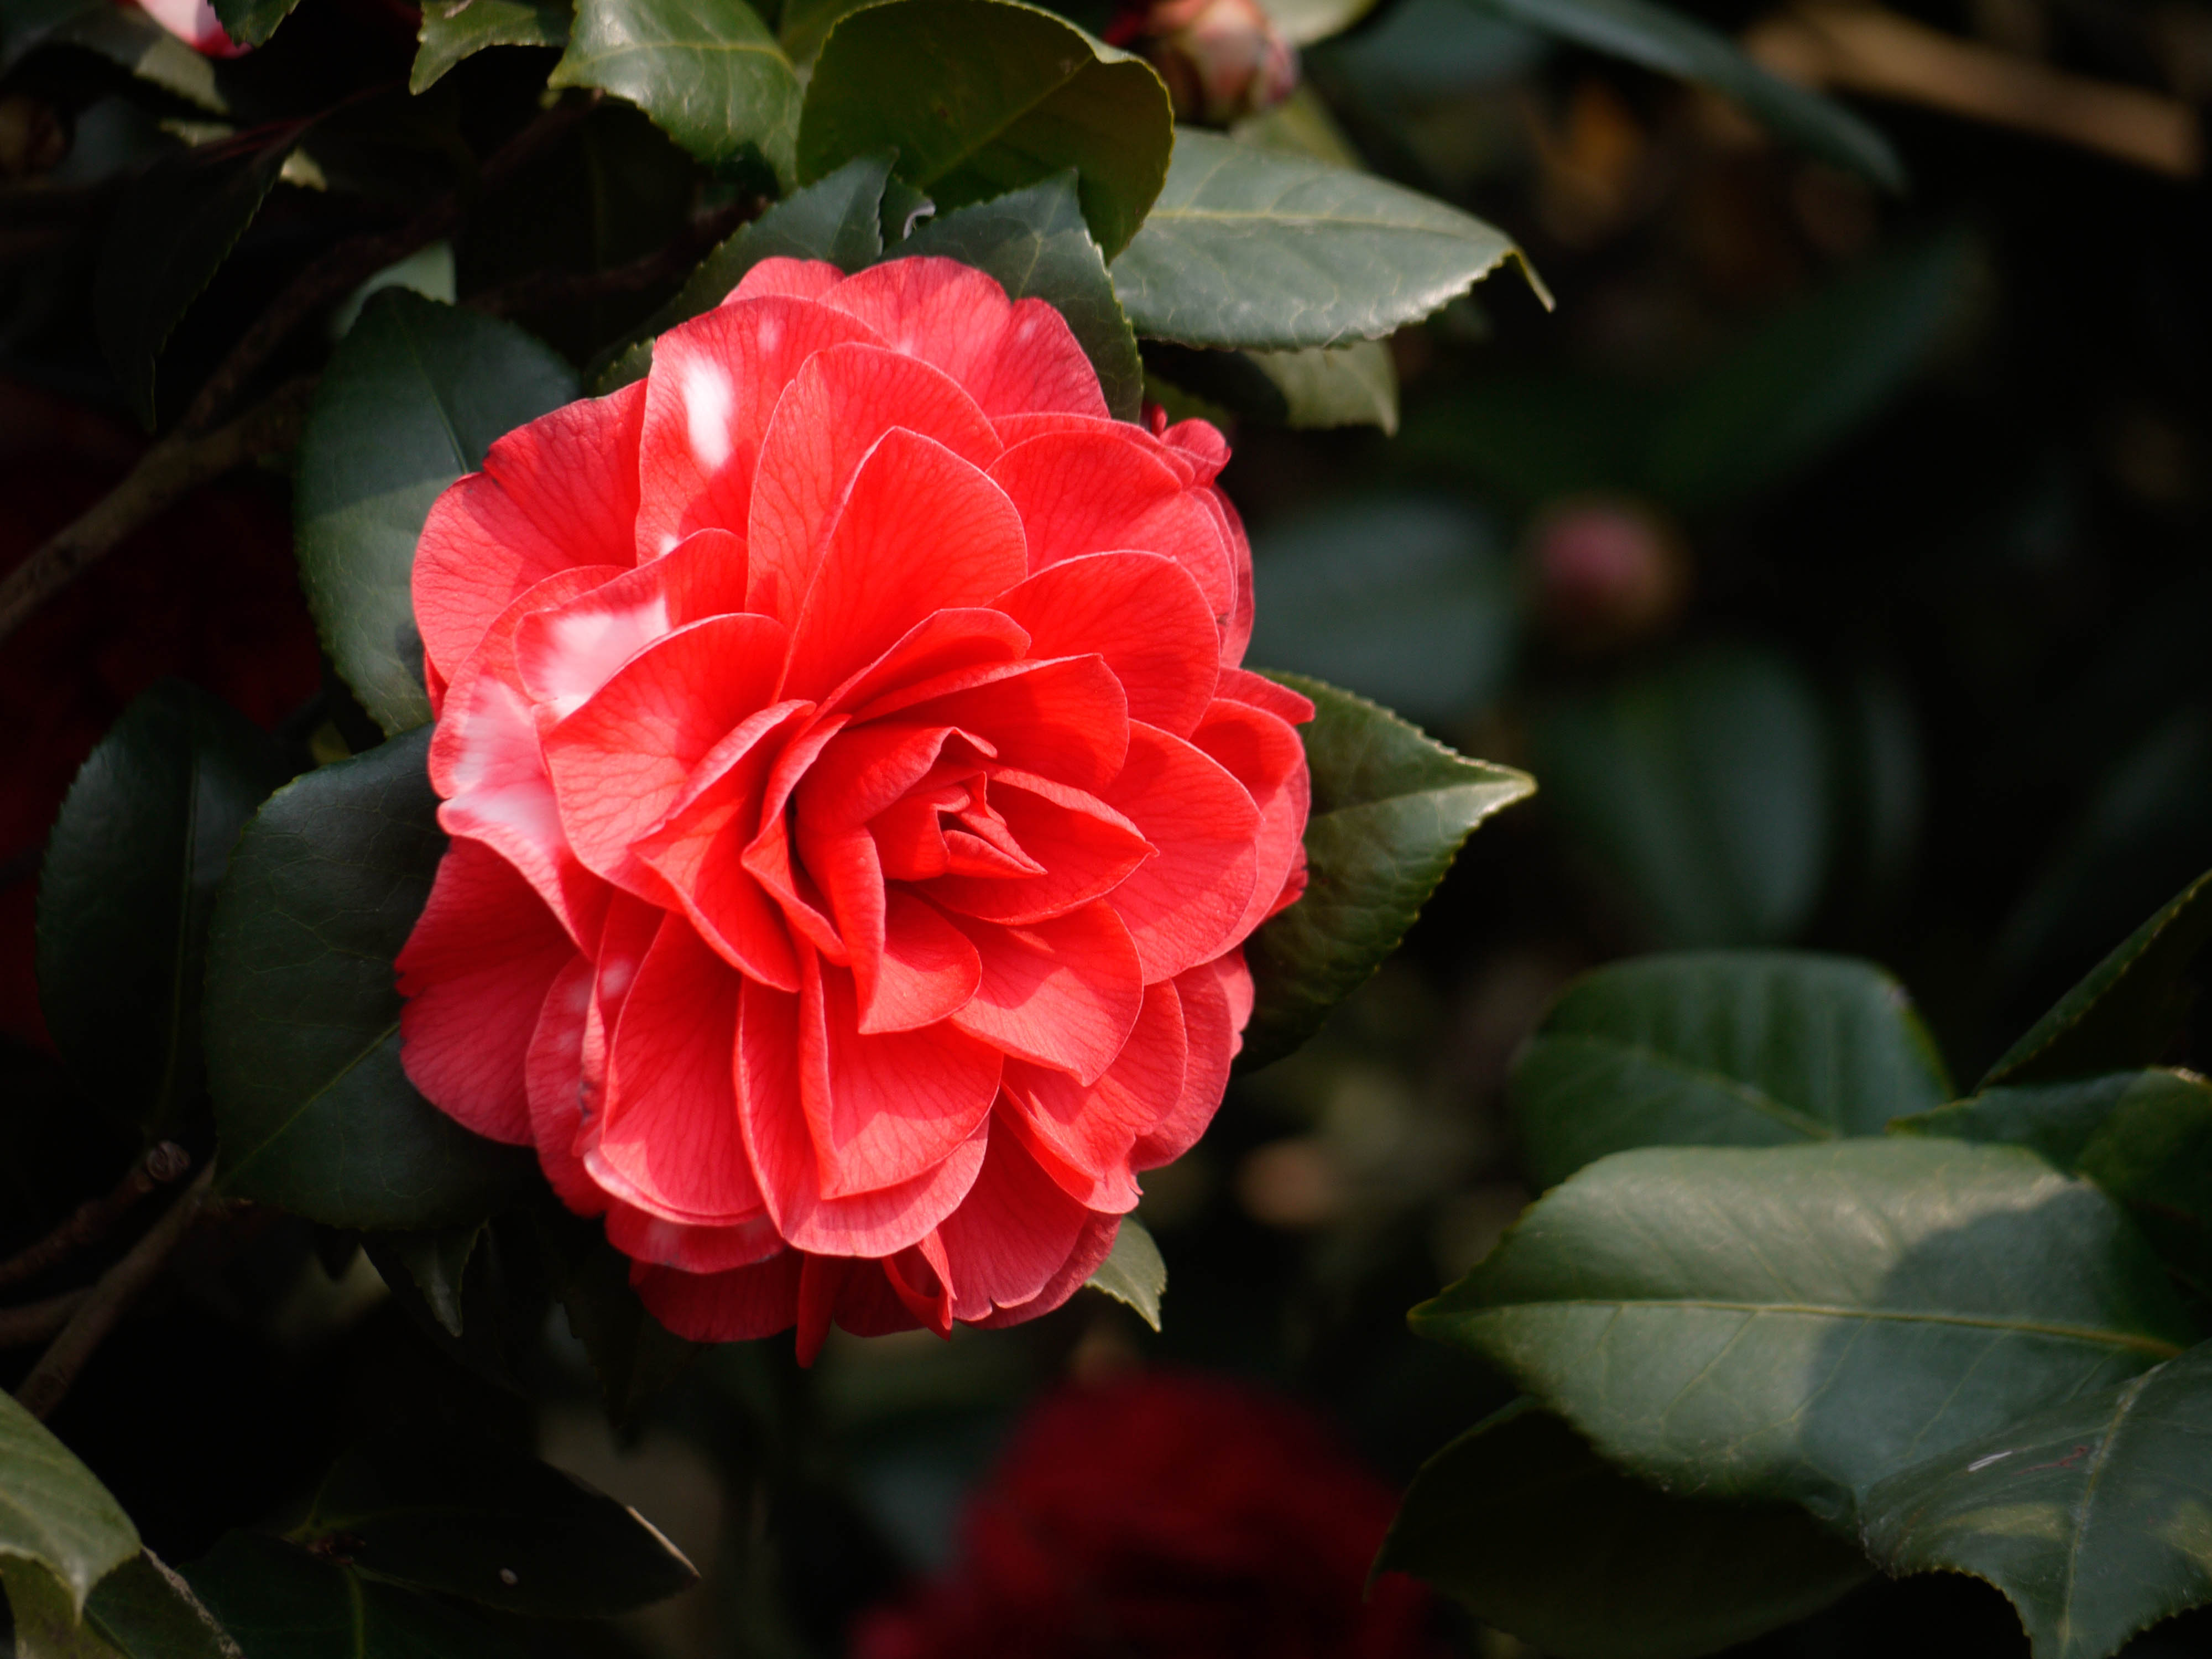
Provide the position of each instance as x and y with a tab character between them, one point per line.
34	1322
92	1219
170	470
57	1368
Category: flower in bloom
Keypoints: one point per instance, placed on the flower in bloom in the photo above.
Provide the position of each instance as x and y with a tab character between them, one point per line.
1177	1517
857	806
193	22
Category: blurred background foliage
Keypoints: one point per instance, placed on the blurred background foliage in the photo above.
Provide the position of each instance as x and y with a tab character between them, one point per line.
1836	559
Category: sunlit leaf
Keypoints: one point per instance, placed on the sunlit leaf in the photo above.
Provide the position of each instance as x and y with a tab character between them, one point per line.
54	1513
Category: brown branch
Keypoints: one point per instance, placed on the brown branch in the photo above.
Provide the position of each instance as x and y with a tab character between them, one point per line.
95	1216
57	1368
170	470
34	1322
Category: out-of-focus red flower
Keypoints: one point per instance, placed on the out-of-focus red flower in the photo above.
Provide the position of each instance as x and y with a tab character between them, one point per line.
193	22
1222	59
1607	572
858	809
1165	1517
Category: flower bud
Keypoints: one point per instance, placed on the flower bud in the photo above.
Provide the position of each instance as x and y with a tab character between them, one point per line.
193	22
1222	59
1607	572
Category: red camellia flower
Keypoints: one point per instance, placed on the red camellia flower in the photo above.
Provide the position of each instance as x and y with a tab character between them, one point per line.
857	807
193	22
1170	1517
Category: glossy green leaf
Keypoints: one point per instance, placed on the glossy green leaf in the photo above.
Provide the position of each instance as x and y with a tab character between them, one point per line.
491	1526
54	1513
412	399
707	71
1252	248
42	1622
122	35
633	1355
130	873
145	1610
1703	789
2144	1137
1036	244
1539	1536
1318	389
1662	38
1390	810
251	22
454	29
487	1314
2129	1008
804	25
313	1111
981	97
1133	1272
175	226
833	219
2092	1518
278	1601
1408	599
1720	1049
438	1262
1801	1322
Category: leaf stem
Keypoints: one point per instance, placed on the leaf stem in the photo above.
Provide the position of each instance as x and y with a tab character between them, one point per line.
94	1217
50	1378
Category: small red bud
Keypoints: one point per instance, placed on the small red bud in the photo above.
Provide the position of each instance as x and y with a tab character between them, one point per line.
1607	572
1222	59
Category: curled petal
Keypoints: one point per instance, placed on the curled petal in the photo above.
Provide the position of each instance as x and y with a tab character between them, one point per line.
1067	719
1092	1246
554	1074
1264	755
736	1306
1083	1137
1185	905
1143	613
796	279
1012	1236
1086	848
1216	998
1063	992
697	1249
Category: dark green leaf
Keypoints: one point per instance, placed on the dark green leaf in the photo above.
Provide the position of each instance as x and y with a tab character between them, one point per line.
633	1355
412	399
1540	1537
278	1601
2128	1009
302	1017
1703	789
250	23
130	872
53	1513
1407	599
981	97
834	219
1668	42
806	24
1801	1321
175	226
145	1611
1318	389
123	35
1720	1049
1390	809
471	1520
2144	1137
438	1262
1036	244
1246	247
454	29
710	75
44	1624
1134	1273
2091	1516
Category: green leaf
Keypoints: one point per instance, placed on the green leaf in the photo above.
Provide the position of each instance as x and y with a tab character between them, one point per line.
251	22
834	219
1035	243
2144	1137
143	1610
1673	43
43	1623
2091	1516
1542	1537
2125	1012
1304	22
1801	1321
707	71
278	1601
122	35
979	98
493	1319
175	226
131	870
54	1513
633	1355
313	1111
1132	1272
1248	247
1314	390
1390	809
1720	1049
454	29
412	399
438	1262
494	1527
1703	789
1408	599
